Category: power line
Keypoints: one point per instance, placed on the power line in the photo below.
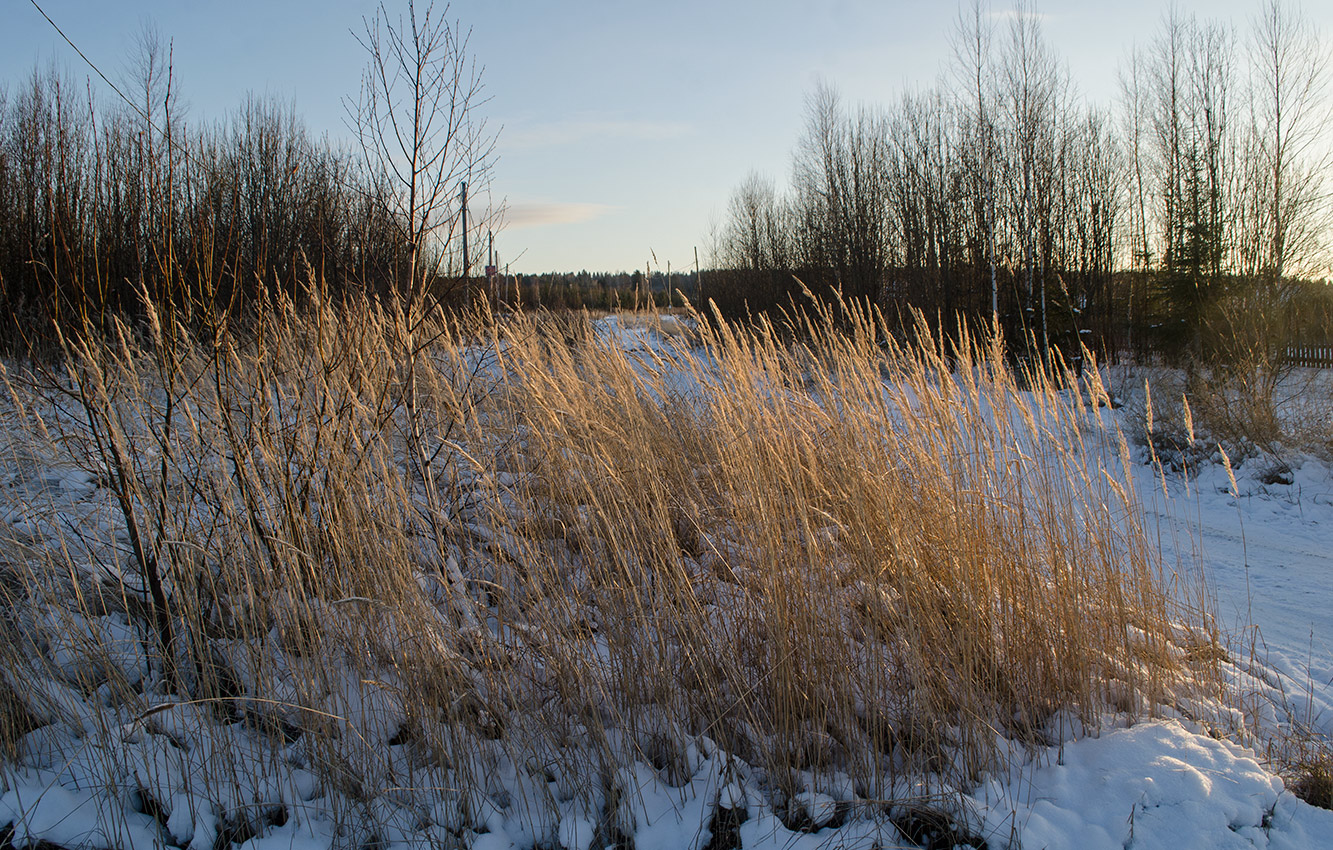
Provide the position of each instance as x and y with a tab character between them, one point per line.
173	143
104	77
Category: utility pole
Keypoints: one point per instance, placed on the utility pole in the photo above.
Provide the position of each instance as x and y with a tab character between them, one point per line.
698	281
491	284
464	203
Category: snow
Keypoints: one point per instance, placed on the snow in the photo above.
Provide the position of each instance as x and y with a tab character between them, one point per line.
1262	551
1266	554
1154	785
41	809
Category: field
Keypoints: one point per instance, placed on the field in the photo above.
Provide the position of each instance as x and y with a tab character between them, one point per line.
546	581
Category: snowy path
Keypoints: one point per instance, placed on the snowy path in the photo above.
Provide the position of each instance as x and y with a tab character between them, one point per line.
1267	557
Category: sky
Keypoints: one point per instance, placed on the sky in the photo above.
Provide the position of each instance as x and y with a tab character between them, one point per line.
623	125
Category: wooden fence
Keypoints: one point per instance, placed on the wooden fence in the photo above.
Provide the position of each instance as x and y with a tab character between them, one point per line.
1319	356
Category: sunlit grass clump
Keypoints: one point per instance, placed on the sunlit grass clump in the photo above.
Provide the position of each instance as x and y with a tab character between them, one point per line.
387	566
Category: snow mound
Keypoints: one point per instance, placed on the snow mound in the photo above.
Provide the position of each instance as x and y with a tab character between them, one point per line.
1153	785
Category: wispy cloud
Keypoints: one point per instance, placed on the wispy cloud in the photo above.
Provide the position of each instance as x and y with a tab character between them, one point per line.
575	130
537	214
1017	14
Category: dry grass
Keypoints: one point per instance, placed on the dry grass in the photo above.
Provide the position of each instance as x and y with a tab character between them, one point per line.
1246	393
431	555
1304	758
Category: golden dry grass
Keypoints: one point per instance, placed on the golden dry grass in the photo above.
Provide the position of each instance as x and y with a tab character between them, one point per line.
515	541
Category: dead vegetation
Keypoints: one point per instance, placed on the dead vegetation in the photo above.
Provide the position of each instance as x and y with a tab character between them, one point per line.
526	546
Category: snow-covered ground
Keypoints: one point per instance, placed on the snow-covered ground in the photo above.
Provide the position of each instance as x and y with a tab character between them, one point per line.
1263	551
1266	553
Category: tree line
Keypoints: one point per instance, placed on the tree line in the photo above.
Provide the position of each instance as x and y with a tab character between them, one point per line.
999	194
104	203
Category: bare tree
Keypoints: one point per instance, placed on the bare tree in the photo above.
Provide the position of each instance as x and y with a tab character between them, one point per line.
1030	102
972	49
839	178
1186	161
419	124
1290	119
816	196
155	122
1090	206
926	195
755	235
1134	99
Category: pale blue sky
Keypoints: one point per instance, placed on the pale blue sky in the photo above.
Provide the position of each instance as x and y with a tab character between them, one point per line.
625	124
